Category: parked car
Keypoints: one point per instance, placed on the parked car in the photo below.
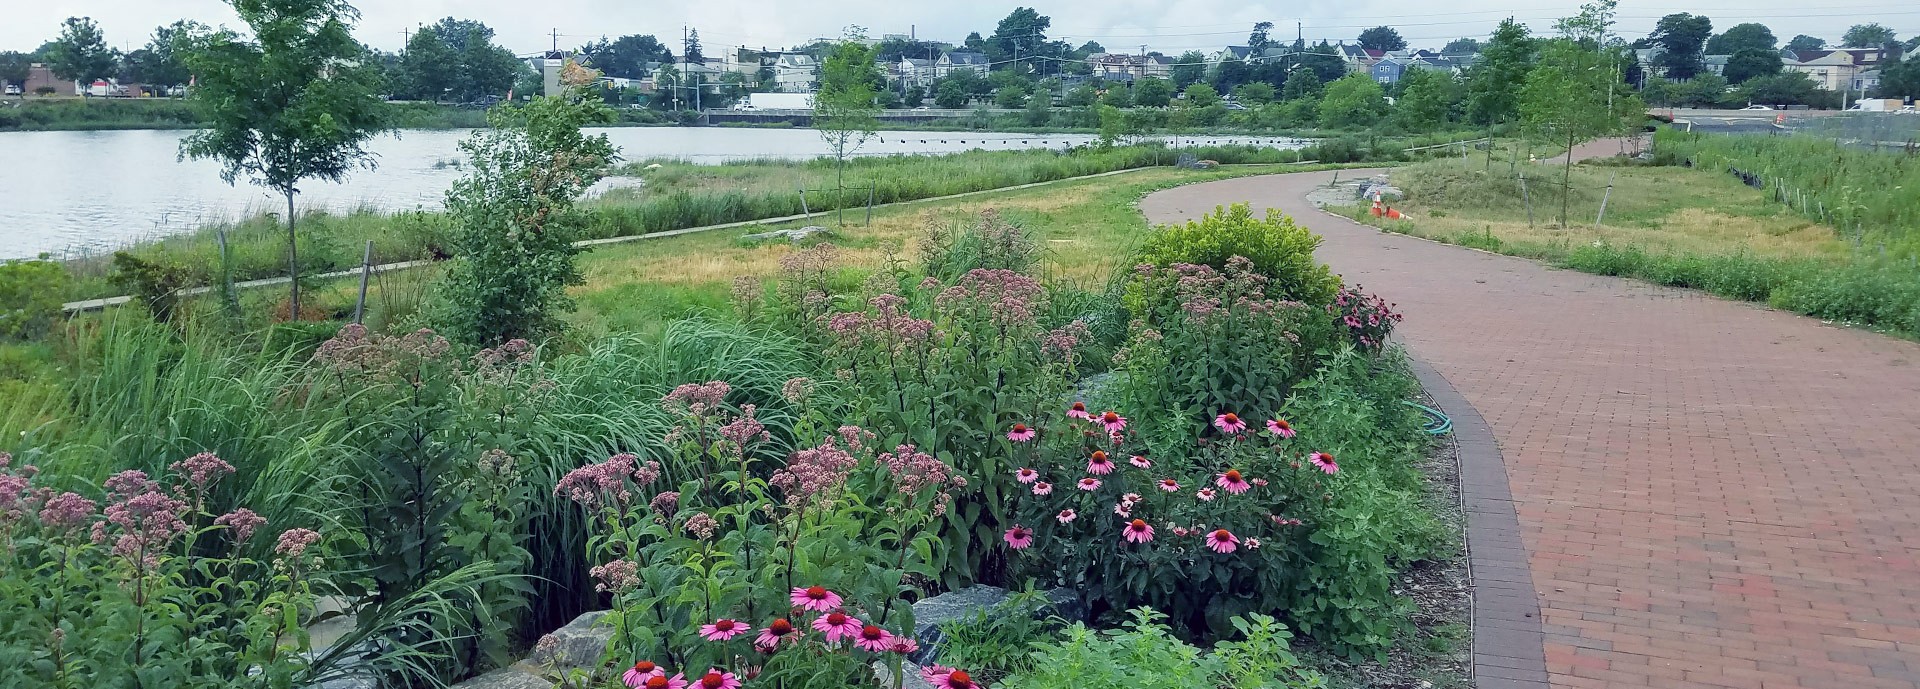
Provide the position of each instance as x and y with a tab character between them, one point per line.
1757	107
13	89
1907	110
922	108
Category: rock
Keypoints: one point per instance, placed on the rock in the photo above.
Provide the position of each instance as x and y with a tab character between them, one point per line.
795	235
579	645
929	613
913	680
506	678
1066	605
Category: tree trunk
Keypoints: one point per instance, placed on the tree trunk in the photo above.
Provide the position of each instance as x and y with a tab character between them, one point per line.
1566	183
840	186
293	262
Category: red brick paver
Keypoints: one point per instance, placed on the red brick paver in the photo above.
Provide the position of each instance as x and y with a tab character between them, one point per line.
1709	493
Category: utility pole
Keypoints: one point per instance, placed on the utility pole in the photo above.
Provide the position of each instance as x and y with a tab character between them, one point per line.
556	40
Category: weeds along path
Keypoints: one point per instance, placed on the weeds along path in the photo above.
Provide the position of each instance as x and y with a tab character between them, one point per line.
1708	493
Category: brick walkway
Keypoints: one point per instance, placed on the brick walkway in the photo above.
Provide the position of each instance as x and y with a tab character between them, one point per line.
1709	493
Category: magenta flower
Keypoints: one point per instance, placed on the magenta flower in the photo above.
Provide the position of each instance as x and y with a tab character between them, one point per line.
642	671
1089	483
935	674
903	644
723	630
1079	411
1180	531
1066	516
1099	464
1169	485
1280	427
1021	433
1138	531
1222	541
874	639
777	632
836	625
1140	462
1112	422
662	682
1205	494
1324	462
1230	424
954	679
1042	488
718	679
815	598
1026	475
1018	537
1232	482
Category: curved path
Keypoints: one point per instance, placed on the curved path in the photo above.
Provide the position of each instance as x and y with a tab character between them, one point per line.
1708	493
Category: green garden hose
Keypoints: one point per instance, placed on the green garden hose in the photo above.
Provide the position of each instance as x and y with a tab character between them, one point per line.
1437	423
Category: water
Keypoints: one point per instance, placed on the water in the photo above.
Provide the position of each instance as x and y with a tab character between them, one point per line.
69	192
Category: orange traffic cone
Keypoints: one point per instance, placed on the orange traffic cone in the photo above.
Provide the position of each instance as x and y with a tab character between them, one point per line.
1377	209
1393	214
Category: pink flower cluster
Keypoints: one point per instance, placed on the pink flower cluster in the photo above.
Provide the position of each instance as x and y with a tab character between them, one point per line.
294	542
914	470
1369	319
616	576
698	399
608	483
241	522
201	470
141	520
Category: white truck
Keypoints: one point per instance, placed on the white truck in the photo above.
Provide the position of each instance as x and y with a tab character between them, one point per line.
1876	105
775	101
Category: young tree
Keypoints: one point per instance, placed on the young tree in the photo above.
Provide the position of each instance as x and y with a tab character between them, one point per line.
1259	39
1680	37
1382	38
1900	79
1426	100
1039	107
1301	83
1190	67
515	218
1200	96
1803	43
1118	96
1750	63
843	109
1082	96
949	94
1569	98
1152	92
81	53
915	96
1493	84
1256	93
296	101
693	54
1355	100
159	63
1010	96
1748	36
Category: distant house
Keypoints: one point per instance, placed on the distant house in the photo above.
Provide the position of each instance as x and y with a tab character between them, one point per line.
1394	65
1836	69
1235	52
915	71
795	72
1388	70
1866	80
1359	59
40	79
960	59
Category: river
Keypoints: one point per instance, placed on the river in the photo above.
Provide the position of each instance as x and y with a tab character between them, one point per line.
77	192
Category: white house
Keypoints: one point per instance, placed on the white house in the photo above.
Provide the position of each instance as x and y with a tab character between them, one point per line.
960	59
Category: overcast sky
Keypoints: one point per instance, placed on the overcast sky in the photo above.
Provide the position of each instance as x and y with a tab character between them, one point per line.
1170	26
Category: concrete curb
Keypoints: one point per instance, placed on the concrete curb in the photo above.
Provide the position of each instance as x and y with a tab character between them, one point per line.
1508	640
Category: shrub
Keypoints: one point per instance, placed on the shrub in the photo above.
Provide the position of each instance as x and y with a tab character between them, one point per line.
991	243
1887	296
1368	319
1276	247
30	297
1144	654
154	284
995	642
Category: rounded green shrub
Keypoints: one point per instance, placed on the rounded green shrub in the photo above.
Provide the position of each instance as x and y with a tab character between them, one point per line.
1278	248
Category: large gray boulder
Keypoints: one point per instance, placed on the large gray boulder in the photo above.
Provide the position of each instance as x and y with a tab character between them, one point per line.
930	613
513	677
579	645
796	235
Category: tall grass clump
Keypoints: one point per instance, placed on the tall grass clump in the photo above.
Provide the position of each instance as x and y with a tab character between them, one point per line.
1869	195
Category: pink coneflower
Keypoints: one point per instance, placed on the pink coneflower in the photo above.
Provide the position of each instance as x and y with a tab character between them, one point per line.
1253	544
717	679
1130	498
874	639
1021	433
1079	411
935	673
1230	424
1123	508
1232	482
723	630
1260	482
1180	531
1280	427
955	679
1089	483
663	682
1066	516
836	625
1222	541
1140	461
642	671
1138	531
1099	464
903	644
1169	485
1324	462
1042	488
1112	422
778	632
815	598
1018	537
1205	495
1026	475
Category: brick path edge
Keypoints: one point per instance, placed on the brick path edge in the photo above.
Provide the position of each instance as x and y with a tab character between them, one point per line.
1508	644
